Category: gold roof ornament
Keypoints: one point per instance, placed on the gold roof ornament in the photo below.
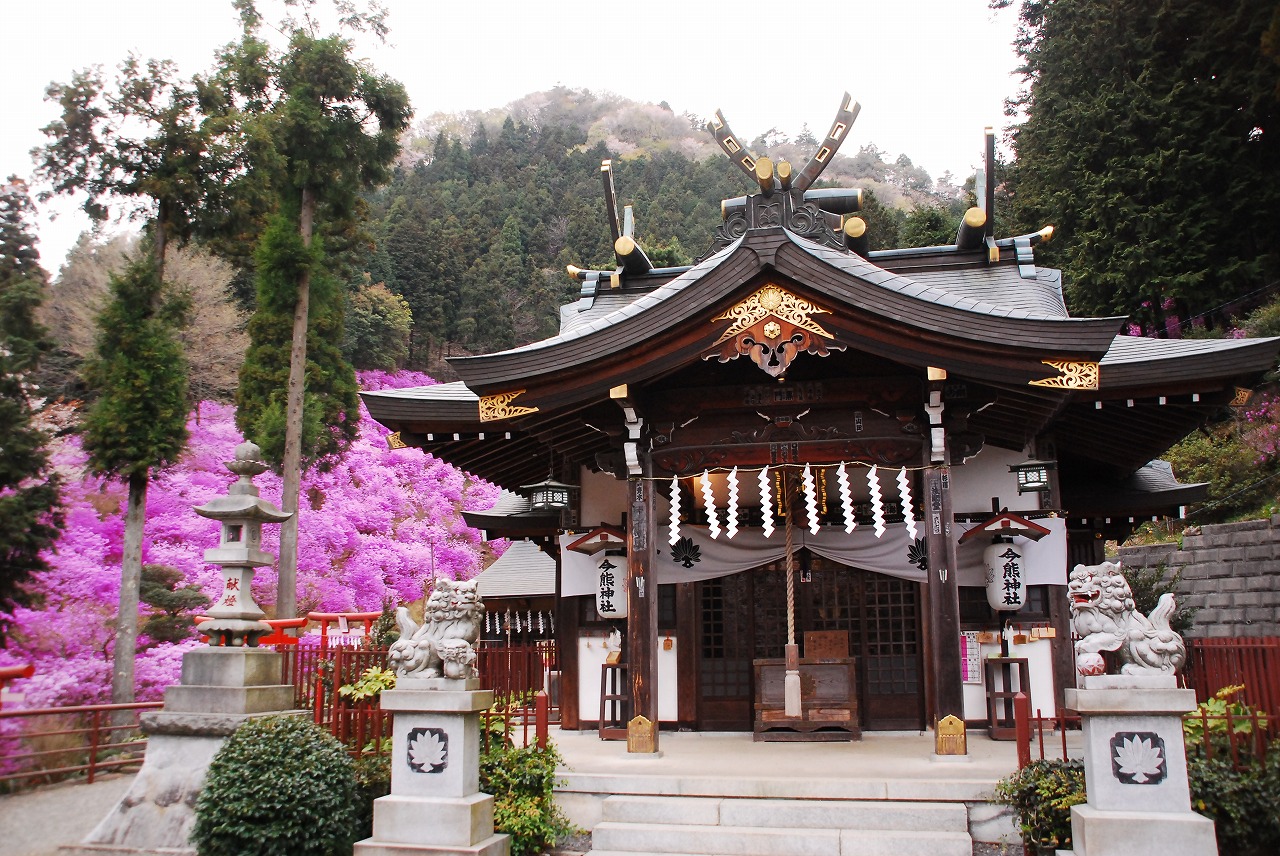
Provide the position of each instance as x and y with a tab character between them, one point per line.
498	406
771	327
1071	375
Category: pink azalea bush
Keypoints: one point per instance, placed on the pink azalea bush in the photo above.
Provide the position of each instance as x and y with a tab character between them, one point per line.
372	529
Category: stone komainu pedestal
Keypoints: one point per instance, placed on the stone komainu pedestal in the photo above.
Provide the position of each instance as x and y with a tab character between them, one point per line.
1136	770
435	805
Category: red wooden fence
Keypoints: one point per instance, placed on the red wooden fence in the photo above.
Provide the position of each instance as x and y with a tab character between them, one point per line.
1255	662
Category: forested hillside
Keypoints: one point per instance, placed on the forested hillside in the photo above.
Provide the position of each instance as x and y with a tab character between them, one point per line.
486	209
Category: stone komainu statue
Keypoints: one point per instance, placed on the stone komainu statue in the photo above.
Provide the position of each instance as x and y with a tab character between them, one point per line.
444	646
1105	618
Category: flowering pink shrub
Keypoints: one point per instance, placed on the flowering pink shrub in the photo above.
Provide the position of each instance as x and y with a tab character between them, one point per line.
374	528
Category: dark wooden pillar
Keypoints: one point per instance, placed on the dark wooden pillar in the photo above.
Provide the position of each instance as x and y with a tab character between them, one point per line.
944	598
642	604
942	590
567	653
688	619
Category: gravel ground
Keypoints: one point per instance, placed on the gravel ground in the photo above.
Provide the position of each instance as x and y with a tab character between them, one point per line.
38	822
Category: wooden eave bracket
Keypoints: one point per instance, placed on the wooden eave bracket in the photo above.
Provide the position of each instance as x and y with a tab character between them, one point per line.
634	424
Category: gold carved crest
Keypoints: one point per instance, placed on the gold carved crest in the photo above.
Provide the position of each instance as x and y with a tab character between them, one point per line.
771	327
1071	375
498	406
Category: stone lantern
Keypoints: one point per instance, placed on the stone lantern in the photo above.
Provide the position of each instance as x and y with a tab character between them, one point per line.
236	619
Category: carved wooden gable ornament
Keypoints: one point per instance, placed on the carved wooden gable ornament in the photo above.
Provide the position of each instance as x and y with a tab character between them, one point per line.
771	327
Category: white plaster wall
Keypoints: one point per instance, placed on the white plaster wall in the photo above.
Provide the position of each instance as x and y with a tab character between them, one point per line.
603	498
985	475
1039	666
591	654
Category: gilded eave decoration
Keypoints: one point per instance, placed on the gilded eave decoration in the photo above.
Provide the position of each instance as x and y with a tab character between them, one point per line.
498	406
395	441
771	327
1071	375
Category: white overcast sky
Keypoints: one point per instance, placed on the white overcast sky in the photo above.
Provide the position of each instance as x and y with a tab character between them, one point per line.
930	74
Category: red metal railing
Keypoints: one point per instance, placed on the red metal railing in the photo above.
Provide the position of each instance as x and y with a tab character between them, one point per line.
52	743
1255	662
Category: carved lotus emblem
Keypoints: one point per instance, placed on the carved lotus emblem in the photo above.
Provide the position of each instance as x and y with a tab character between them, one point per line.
428	750
1137	758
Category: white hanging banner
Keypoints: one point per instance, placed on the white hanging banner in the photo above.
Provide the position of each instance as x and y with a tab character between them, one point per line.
877	504
611	595
908	507
731	524
766	503
709	502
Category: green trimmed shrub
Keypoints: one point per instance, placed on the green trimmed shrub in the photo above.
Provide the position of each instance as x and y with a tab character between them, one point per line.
521	780
1042	794
373	780
1242	803
280	784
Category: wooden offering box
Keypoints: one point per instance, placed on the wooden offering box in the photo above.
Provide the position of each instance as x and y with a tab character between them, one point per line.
829	706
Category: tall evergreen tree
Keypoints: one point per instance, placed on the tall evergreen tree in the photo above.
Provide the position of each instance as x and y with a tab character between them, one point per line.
324	127
30	516
138	422
142	144
1150	143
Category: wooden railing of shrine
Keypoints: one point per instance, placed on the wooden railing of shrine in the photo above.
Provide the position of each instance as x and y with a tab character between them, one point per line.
1254	662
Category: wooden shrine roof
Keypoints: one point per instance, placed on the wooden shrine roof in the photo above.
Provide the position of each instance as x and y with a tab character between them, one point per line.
980	309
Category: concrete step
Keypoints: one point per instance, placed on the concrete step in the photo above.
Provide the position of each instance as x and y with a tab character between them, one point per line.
807	814
693	839
614	839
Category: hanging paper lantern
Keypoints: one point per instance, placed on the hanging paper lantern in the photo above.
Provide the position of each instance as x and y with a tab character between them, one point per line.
1006	579
810	499
908	507
766	503
877	504
731	524
846	499
709	502
611	590
673	528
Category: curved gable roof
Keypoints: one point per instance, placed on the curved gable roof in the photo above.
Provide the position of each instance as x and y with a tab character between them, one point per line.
852	283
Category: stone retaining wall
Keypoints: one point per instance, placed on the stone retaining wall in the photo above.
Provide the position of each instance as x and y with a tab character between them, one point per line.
1230	574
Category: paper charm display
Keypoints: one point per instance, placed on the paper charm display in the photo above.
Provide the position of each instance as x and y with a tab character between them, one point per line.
810	499
709	500
877	502
731	513
846	499
766	502
908	507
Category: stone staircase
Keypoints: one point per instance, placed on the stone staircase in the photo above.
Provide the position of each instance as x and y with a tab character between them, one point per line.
648	825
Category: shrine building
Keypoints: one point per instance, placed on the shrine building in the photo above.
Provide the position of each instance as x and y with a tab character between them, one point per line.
886	459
